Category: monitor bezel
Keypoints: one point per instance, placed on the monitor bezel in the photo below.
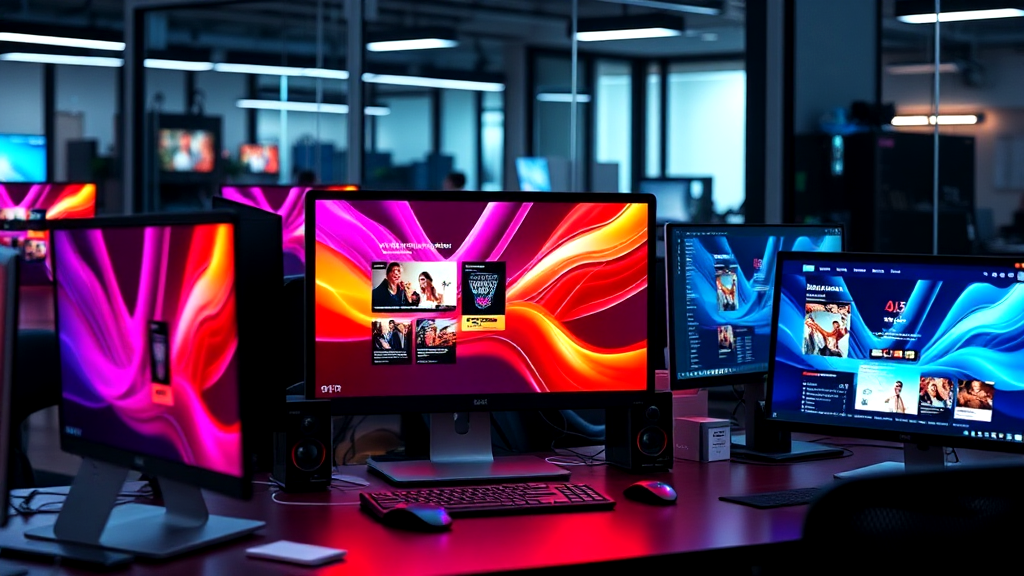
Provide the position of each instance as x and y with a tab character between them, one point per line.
238	487
920	438
9	259
470	402
753	377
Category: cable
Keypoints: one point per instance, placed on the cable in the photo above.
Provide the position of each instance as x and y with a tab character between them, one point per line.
351	451
273	496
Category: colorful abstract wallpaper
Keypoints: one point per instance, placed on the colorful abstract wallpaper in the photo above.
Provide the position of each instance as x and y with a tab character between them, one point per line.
288	202
548	297
146	318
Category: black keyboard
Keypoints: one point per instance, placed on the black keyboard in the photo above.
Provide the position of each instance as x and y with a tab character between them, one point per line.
493	500
794	497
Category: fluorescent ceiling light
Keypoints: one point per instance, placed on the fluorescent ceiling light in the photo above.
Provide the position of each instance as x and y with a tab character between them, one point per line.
411	44
281	71
325	73
944	120
634	34
308	107
441	83
61	41
562	97
62	59
921	68
962	15
183	65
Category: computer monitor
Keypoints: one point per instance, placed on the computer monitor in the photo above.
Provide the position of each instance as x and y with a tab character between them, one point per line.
187	148
534	174
924	350
22	158
160	320
287	202
681	200
720	283
260	158
8	336
25	213
457	302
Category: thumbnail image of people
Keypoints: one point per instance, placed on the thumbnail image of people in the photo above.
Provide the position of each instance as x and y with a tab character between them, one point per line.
391	341
726	342
37	214
35	249
435	341
410	285
15	213
935	396
974	400
887	388
826	329
725	286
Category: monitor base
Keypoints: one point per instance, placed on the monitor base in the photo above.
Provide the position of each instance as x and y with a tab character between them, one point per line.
460	452
916	458
90	516
798	451
502	469
142	530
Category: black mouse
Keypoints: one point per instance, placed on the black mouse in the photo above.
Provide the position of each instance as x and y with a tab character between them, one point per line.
419	517
651	492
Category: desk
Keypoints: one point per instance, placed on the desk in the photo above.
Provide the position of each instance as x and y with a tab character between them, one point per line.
699	525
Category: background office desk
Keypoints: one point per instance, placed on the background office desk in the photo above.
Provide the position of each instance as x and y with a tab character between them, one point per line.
698	528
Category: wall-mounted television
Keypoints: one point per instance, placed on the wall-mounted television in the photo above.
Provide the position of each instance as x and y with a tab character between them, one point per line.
534	174
187	148
260	158
22	158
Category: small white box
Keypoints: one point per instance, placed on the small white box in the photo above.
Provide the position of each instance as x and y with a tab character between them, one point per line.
702	439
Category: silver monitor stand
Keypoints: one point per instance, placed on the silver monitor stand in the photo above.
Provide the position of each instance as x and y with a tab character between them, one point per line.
460	451
90	516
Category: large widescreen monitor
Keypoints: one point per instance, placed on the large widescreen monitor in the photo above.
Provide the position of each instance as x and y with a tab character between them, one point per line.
459	302
288	203
919	349
22	158
720	285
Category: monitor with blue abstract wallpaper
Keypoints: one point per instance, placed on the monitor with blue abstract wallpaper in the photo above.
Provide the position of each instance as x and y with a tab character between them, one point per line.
720	289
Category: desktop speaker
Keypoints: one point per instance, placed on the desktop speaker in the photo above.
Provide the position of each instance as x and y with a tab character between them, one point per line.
638	436
302	447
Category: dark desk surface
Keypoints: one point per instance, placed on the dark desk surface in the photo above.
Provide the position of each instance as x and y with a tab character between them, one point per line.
632	531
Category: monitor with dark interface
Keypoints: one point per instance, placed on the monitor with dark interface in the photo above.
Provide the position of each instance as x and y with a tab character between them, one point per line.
534	174
22	158
923	350
160	321
288	203
681	199
720	283
721	280
456	302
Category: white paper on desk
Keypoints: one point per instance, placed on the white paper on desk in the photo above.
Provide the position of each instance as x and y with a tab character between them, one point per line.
297	553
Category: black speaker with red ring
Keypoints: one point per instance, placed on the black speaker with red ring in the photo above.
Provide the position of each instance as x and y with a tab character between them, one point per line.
302	447
638	436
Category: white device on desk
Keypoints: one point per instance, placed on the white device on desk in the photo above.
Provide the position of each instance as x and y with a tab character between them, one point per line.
702	439
297	553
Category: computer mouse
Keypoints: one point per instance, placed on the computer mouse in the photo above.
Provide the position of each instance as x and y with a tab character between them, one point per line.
418	517
651	492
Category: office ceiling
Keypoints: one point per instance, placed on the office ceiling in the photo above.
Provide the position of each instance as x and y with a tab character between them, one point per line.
280	31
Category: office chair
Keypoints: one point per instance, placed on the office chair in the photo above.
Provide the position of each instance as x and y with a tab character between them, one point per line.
954	515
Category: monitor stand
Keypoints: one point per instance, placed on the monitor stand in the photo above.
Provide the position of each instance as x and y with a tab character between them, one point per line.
916	458
764	442
460	451
90	516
